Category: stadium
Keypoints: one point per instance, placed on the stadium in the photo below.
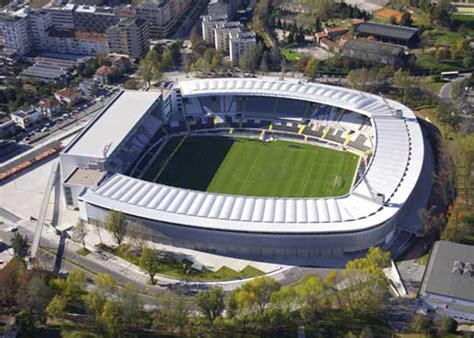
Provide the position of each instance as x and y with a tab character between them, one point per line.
256	168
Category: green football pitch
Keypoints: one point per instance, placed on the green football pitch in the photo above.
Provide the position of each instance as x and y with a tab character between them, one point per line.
242	166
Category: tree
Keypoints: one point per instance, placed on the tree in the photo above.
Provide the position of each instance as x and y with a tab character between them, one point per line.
132	308
253	297
167	59
264	63
117	225
250	59
393	20
131	84
105	288
70	294
420	323
150	68
311	69
172	316
112	317
366	287
405	19
211	303
445	325
80	232
34	294
404	82
20	245
359	79
468	62
149	262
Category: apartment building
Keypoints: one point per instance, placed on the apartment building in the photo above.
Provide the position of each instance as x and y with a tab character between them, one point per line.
162	15
130	36
62	16
208	24
222	33
239	43
94	19
72	42
15	31
40	22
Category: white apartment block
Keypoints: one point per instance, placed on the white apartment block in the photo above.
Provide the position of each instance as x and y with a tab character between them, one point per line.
15	31
208	24
222	33
239	43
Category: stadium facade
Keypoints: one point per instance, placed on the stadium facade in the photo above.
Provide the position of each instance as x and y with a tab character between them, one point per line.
101	167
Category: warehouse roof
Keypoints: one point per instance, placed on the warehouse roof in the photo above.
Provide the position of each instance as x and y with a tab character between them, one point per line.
450	271
389	31
110	127
374	47
393	172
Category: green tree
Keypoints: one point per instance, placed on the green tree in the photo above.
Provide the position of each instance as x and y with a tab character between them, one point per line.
150	262
172	317
420	323
405	19
20	245
404	83
211	303
365	285
117	225
150	67
34	294
70	294
250	60
468	62
253	297
105	288
112	317
445	325
132	305
167	59
80	232
312	68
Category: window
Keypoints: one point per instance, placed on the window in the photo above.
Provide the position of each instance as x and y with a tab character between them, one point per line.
68	196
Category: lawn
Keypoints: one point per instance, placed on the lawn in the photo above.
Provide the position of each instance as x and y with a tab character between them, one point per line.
240	166
290	55
172	267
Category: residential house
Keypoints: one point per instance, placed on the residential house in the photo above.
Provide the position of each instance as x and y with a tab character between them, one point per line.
26	118
103	74
48	107
67	96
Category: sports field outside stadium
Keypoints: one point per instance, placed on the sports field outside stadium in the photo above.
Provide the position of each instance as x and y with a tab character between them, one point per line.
250	167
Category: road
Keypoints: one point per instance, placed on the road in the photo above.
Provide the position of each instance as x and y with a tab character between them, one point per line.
445	91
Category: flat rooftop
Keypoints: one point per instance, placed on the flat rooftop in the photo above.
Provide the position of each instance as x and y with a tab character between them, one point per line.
111	126
85	177
443	276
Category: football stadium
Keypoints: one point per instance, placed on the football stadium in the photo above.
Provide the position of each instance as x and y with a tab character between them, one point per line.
257	168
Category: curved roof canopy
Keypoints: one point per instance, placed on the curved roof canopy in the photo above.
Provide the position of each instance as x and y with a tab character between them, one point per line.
394	170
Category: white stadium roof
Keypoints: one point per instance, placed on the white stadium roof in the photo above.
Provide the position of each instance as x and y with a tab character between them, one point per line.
111	126
393	171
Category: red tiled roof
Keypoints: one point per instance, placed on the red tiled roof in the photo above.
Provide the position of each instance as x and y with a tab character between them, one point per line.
68	92
320	35
326	42
104	70
48	104
336	29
